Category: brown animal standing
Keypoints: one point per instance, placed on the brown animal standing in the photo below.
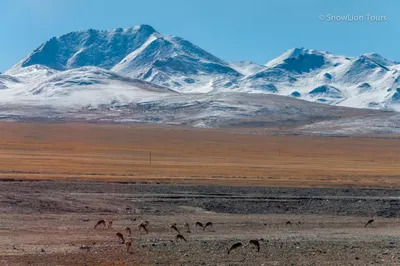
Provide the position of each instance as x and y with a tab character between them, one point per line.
198	224
288	223
235	246
143	226
369	222
186	225
173	227
101	222
209	224
128	230
121	236
110	224
128	245
255	243
180	237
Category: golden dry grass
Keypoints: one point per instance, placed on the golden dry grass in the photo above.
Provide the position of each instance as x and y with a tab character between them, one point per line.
121	152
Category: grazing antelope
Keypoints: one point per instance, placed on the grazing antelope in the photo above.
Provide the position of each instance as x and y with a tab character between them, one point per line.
288	223
209	224
254	242
180	237
186	225
101	222
120	236
298	224
173	227
128	245
369	222
128	230
110	224
235	246
198	224
143	226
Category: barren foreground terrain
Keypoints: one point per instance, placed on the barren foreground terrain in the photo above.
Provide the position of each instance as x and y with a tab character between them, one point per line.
51	223
58	180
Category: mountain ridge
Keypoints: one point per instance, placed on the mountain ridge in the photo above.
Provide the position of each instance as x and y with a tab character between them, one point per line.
141	52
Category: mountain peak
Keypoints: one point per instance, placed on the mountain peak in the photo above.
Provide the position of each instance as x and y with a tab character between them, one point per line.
379	59
143	27
88	48
300	51
246	67
294	52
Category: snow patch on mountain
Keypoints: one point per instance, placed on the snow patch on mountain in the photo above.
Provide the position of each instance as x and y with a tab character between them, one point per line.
246	67
7	81
87	86
31	74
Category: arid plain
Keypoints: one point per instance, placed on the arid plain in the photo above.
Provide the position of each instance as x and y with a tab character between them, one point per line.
58	179
122	152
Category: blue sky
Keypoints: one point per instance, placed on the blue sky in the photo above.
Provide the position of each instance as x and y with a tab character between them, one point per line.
233	30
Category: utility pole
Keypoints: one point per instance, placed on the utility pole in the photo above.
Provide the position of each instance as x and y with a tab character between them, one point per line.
150	157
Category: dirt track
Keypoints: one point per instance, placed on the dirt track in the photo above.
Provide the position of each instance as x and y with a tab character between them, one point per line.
51	223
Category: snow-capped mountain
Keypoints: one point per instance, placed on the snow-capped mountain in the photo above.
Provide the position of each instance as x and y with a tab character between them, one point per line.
367	81
91	47
377	58
291	53
176	63
91	63
137	52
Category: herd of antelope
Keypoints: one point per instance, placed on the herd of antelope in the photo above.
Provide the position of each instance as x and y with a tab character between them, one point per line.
143	227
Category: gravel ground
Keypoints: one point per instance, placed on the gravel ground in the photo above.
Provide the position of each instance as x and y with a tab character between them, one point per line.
51	223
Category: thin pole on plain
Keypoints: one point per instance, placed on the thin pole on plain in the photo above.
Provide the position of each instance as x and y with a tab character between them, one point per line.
150	157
